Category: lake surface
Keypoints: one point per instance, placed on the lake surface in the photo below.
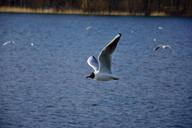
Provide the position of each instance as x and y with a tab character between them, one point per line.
43	68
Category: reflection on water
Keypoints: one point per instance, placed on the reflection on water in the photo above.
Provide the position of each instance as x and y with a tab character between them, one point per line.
42	80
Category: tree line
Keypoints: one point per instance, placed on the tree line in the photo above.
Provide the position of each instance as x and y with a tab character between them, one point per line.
171	7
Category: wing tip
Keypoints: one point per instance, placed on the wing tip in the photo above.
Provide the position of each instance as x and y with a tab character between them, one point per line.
118	35
92	57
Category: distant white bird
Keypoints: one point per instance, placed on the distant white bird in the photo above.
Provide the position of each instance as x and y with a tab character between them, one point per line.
8	42
160	28
88	27
154	40
32	44
163	46
102	69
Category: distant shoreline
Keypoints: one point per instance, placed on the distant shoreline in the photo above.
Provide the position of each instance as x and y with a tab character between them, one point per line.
5	9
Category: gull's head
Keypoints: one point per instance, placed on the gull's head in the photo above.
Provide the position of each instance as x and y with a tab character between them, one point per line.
92	75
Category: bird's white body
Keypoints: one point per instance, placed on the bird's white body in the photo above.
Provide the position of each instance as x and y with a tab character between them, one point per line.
165	46
104	76
102	66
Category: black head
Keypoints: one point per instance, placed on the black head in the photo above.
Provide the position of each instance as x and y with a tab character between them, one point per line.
92	75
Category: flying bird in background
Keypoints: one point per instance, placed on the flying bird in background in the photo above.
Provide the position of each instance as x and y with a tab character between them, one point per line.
163	46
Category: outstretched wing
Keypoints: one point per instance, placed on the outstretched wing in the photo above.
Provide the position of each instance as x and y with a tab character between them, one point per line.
105	55
92	61
168	46
157	47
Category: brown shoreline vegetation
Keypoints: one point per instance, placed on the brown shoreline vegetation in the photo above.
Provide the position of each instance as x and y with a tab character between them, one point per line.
100	7
5	9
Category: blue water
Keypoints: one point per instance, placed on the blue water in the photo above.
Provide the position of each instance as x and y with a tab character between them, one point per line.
43	85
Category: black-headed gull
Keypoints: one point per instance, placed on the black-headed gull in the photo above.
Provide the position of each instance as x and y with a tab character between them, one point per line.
163	46
102	69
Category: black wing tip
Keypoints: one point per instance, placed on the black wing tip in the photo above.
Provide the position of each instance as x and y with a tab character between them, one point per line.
118	36
156	48
94	57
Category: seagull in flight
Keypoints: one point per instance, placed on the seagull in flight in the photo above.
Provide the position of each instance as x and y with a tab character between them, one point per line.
8	42
163	46
102	69
88	28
